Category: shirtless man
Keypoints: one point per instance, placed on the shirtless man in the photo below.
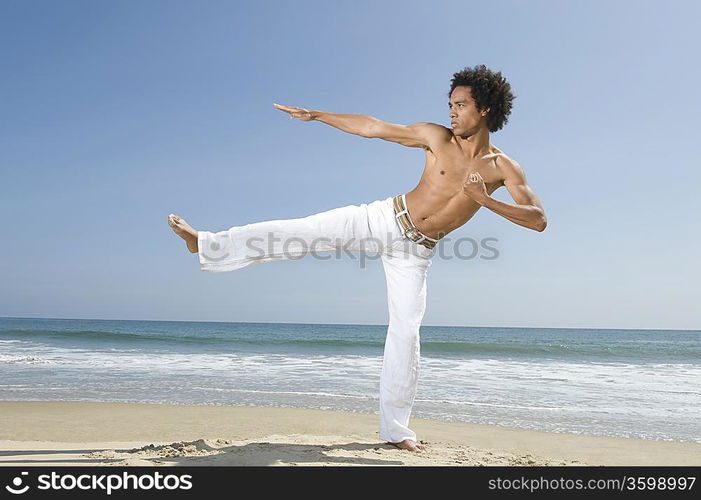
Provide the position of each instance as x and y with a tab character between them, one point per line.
463	168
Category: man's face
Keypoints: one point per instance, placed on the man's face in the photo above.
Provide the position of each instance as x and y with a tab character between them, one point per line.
464	117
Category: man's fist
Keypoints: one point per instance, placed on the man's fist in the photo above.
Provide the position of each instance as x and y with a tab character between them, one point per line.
294	112
474	188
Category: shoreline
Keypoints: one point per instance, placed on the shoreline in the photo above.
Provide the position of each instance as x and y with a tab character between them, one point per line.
61	433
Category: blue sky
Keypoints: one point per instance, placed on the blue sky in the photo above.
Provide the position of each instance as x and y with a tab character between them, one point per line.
115	114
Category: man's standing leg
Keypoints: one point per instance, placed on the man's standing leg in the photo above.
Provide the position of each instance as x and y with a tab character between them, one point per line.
406	297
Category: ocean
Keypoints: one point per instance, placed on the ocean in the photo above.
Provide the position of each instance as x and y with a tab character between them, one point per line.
626	383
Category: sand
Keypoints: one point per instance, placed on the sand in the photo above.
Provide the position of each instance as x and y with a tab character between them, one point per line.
100	434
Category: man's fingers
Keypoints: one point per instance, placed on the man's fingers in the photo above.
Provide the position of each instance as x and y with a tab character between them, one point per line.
287	108
475	178
293	111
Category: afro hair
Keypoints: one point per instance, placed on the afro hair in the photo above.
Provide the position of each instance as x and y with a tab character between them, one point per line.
489	90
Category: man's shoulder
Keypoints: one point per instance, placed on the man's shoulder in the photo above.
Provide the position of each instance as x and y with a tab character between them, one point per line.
431	128
430	125
503	160
506	165
434	135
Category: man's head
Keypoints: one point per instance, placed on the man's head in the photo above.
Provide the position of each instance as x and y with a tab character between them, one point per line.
479	94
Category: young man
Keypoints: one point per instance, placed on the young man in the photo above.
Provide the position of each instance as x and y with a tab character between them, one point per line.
463	168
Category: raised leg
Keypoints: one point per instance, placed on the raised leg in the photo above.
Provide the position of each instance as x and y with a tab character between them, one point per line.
284	239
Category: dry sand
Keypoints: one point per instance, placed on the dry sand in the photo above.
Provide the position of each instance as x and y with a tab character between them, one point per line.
83	433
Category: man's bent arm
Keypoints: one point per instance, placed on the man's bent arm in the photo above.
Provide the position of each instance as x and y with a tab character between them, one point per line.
530	216
527	212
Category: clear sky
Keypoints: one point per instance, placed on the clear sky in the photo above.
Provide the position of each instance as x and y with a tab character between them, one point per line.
115	114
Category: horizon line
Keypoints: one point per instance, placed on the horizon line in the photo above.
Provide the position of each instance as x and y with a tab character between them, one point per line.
354	324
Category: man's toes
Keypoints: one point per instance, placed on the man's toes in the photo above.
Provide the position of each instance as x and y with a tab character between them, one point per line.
175	223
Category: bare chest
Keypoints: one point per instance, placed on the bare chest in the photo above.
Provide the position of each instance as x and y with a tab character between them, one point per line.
453	168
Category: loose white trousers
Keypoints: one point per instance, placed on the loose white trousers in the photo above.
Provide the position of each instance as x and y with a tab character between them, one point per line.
371	228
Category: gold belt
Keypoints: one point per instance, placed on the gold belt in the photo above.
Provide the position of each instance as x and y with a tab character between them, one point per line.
401	213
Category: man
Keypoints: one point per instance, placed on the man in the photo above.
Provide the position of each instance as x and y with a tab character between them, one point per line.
463	168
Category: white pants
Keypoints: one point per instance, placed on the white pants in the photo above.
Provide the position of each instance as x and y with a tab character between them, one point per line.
369	227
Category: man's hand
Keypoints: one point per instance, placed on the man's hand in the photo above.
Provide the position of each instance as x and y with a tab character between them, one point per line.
303	114
474	188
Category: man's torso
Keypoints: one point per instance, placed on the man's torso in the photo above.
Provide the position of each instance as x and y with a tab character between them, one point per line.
438	204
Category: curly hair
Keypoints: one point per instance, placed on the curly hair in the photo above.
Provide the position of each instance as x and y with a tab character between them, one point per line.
489	90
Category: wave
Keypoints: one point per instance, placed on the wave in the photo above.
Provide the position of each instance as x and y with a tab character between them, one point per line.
374	397
33	360
491	405
528	347
371	397
291	393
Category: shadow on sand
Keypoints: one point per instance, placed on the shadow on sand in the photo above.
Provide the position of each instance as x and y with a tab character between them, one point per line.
250	454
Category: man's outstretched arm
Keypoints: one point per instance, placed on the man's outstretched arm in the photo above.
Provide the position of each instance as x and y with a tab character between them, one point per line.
528	212
416	135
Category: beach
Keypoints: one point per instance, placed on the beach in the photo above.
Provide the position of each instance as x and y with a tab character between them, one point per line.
126	392
62	433
615	383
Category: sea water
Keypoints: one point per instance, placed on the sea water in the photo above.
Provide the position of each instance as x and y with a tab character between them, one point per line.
627	383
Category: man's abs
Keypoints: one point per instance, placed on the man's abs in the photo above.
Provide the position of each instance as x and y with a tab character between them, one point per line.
437	214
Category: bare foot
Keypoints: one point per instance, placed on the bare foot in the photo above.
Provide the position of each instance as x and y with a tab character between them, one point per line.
409	444
185	231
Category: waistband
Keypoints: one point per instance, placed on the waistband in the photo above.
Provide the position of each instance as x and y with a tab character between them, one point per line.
401	213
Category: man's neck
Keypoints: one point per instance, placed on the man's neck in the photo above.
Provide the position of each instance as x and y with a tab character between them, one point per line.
476	144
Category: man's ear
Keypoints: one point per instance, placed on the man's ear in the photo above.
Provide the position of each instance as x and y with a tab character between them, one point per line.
484	112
